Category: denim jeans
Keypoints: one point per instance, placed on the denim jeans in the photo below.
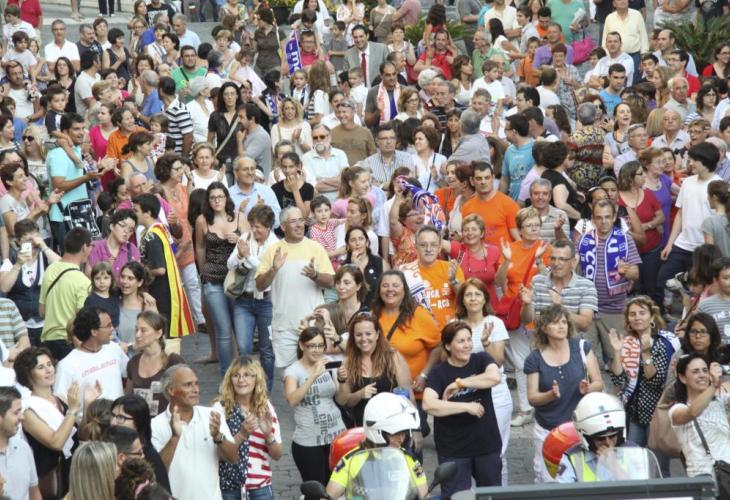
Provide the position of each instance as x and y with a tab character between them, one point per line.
221	308
231	494
249	314
265	493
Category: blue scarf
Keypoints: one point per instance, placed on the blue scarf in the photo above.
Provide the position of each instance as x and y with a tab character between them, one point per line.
616	249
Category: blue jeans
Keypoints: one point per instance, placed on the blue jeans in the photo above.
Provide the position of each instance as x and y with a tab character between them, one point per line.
220	307
485	469
248	314
265	493
231	494
649	275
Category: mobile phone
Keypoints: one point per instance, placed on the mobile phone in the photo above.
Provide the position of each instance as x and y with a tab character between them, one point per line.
26	247
333	365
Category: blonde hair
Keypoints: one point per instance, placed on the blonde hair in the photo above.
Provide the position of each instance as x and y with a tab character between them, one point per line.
93	470
39	137
524	214
199	147
99	87
473	218
298	110
259	397
654	127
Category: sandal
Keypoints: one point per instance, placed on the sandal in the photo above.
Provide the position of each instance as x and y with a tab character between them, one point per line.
77	17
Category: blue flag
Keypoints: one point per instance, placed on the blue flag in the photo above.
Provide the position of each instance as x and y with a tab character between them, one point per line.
293	56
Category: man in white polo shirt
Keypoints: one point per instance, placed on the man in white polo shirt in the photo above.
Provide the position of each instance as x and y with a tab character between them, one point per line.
60	47
191	439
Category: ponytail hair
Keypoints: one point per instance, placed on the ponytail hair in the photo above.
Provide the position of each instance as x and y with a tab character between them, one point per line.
97	419
348	175
136	140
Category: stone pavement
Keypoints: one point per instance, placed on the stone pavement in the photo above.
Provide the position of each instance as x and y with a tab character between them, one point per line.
286	475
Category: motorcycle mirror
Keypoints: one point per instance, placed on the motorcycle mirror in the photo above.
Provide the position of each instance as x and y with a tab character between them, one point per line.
314	489
444	472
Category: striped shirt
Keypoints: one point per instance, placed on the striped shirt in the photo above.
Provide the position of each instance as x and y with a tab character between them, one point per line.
578	294
547	230
382	171
258	472
12	326
180	122
719	309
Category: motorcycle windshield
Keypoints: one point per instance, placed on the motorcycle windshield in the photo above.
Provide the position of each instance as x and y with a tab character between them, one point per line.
380	473
623	463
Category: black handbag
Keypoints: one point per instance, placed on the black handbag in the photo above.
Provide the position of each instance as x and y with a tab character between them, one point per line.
720	467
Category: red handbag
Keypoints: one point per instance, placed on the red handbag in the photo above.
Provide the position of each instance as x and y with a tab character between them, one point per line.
508	308
582	49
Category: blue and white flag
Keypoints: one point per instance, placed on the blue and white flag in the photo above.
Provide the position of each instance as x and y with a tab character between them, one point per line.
293	56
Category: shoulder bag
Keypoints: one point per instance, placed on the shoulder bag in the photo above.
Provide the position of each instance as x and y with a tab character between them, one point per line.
582	49
720	467
508	308
661	434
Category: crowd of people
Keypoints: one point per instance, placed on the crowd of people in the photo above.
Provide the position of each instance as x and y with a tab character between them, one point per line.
346	212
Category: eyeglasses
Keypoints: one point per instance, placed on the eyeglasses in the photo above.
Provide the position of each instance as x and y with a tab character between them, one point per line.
218	197
139	453
606	437
315	347
699	333
120	418
319	137
28	138
241	376
296	221
105	327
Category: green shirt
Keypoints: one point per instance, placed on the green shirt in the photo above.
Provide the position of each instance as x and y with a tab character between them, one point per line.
477	59
562	13
182	79
67	297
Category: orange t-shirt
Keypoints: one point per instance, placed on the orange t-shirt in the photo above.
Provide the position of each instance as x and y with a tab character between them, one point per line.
185	255
414	340
446	198
441	295
117	140
498	214
518	267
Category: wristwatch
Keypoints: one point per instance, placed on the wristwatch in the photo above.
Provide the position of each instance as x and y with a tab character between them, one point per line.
219	438
649	361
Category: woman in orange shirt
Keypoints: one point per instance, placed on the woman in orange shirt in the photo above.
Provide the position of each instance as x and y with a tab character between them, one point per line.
510	276
410	329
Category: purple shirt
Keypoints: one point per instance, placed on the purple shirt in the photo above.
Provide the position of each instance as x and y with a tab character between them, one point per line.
611	303
664	196
100	252
544	55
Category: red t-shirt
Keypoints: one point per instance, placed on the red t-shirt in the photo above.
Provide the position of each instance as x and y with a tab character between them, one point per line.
30	11
474	267
439	60
646	211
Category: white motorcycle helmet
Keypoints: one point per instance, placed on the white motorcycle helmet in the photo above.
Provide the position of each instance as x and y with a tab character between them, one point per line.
391	413
598	414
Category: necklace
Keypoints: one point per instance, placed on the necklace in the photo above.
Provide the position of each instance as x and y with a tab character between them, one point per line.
473	257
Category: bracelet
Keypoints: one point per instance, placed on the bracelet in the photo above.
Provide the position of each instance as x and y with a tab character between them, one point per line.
341	380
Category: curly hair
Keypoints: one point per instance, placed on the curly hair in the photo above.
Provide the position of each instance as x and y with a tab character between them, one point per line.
259	396
133	473
548	316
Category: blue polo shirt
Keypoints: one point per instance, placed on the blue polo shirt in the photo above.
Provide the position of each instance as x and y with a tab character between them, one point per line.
152	104
60	165
265	192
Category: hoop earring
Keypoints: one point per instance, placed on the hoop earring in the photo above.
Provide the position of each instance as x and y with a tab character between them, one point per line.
652	325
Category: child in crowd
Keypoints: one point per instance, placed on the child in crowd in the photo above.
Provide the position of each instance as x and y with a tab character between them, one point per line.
56	97
358	90
323	229
592	78
300	90
13	24
337	45
102	293
158	128
525	71
19	52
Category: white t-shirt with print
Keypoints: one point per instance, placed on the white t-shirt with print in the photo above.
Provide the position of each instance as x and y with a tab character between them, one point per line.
108	366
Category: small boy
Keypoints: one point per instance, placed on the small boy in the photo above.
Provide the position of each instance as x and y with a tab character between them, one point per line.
525	71
337	45
56	97
358	90
19	52
13	24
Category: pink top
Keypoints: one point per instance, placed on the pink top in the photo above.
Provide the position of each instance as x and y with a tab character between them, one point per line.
326	237
98	142
339	207
100	252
